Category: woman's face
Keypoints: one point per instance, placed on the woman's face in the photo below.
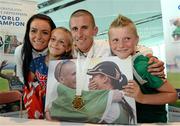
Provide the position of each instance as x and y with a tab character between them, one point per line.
39	34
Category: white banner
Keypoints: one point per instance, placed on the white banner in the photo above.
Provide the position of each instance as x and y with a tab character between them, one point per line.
171	27
14	15
13	19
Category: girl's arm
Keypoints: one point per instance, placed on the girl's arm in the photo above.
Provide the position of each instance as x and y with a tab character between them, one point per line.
167	94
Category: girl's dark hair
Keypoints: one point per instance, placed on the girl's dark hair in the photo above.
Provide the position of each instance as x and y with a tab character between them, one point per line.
27	47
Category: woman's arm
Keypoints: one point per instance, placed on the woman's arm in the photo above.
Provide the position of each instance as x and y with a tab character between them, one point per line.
18	57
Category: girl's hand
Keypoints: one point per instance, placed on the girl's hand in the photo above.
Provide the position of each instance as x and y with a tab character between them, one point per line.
47	114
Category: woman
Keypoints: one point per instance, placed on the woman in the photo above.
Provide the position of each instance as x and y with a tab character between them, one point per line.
36	39
37	35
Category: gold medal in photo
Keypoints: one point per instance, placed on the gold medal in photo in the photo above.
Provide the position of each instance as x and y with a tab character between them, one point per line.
78	102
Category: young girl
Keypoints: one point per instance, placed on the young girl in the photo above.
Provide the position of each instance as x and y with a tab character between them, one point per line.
60	46
150	92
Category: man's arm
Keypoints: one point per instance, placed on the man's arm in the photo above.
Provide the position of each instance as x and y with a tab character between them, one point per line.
156	66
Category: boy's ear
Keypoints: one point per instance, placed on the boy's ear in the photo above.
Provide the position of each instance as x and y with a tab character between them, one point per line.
137	40
95	30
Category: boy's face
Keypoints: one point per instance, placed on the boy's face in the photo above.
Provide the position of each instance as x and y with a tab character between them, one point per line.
123	41
83	31
59	42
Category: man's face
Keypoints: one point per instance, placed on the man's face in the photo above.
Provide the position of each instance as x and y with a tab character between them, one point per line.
83	31
68	75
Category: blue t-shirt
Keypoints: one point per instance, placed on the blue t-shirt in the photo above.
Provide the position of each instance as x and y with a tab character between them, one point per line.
40	69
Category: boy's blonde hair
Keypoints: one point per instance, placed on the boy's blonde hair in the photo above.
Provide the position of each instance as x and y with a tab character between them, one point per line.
122	21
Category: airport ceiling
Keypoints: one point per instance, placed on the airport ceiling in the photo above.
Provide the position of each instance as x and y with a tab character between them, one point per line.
145	13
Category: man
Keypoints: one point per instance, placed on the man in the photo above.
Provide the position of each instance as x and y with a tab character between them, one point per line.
83	29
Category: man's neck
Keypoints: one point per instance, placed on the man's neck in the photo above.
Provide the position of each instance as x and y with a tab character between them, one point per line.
87	49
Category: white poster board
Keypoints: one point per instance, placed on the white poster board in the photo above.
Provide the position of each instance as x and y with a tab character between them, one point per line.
98	105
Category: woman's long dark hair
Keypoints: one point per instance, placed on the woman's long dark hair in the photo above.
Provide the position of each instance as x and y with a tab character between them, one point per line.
27	47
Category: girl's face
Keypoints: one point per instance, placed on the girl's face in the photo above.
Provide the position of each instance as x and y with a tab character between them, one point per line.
39	34
59	42
123	41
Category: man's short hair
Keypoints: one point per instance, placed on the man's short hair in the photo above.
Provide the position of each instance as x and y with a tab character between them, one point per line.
81	12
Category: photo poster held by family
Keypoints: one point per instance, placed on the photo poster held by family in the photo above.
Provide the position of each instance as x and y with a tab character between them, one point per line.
13	20
70	98
171	30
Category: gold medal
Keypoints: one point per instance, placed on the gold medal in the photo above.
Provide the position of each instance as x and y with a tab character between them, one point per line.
78	102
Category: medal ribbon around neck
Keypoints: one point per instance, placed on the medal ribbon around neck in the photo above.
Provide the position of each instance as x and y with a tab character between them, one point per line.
81	70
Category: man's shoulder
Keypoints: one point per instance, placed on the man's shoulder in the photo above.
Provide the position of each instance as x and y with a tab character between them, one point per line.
144	50
101	48
101	42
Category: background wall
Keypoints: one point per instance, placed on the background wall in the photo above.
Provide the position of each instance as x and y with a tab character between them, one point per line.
145	13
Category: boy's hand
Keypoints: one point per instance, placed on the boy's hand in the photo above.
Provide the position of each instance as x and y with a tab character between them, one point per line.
156	66
132	89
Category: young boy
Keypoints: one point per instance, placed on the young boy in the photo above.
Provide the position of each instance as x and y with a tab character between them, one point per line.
60	46
150	92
